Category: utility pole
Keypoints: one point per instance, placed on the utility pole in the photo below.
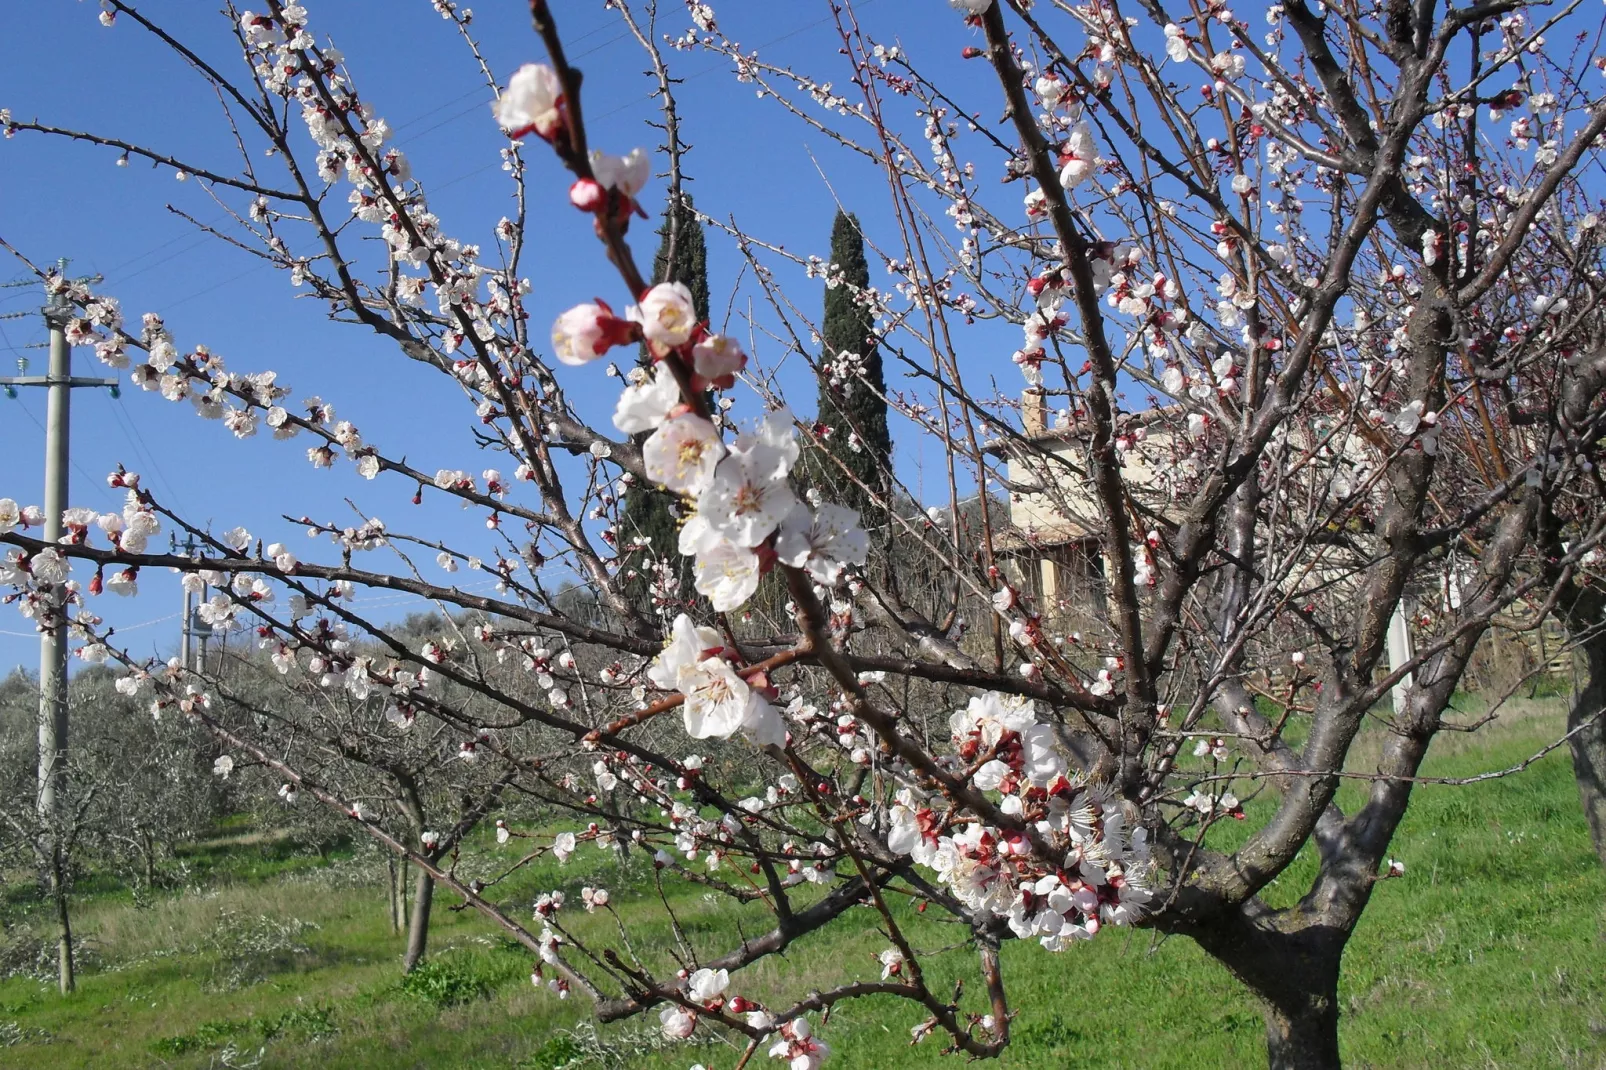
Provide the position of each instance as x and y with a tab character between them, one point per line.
184	641
1401	650
53	632
194	627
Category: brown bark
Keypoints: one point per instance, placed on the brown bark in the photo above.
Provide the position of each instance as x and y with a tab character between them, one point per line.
1582	608
397	869
1291	965
1589	745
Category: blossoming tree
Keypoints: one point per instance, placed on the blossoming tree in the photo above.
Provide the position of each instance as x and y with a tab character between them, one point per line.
1267	274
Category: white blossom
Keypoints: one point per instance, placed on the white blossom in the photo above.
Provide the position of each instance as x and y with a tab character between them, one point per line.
532	102
682	454
647	402
822	542
666	315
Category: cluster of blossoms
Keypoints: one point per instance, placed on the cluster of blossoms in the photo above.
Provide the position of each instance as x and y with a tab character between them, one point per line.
1049	290
351	139
947	173
38	574
1105	869
718	702
793	1040
13	516
696	837
844	371
129	530
742	517
699	991
745	515
1206	804
354	144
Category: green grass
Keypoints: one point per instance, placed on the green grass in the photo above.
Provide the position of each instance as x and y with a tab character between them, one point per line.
1488	953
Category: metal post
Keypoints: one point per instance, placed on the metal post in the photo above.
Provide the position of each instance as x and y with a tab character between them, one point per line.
204	636
187	622
184	644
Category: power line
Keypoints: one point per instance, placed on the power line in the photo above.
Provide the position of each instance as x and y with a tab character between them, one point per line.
99	484
118	629
253	269
196	240
479	105
145	455
158	248
711	68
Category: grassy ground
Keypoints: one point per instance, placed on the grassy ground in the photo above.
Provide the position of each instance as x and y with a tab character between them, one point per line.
1489	953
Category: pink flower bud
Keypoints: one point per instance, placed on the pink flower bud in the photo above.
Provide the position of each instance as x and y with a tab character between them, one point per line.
585	332
587	195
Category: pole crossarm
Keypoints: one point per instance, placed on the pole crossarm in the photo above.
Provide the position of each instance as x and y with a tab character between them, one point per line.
47	380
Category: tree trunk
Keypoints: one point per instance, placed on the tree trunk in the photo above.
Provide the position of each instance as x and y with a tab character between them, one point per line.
390	890
398	894
58	892
1292	967
1589	745
1302	1032
418	926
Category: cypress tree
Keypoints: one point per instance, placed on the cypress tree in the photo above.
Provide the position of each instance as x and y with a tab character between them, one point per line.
853	409
691	255
649	512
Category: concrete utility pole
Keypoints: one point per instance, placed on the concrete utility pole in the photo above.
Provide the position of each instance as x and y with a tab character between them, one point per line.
53	637
1401	650
53	640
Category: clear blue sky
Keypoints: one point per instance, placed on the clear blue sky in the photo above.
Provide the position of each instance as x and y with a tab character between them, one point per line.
62	67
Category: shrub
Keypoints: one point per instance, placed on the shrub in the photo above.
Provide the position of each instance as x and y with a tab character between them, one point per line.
446	983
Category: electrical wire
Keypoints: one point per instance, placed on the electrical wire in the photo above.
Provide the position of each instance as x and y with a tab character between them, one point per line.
713	67
196	240
146	456
118	630
91	480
